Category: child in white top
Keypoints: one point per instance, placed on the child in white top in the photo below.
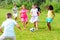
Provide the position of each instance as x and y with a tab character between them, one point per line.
34	15
15	11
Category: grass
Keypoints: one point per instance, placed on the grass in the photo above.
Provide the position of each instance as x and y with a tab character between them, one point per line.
42	34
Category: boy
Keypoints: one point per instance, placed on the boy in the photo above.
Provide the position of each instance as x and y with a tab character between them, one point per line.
8	26
15	11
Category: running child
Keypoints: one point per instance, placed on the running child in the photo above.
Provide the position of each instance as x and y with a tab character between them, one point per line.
15	11
34	18
50	16
8	26
23	16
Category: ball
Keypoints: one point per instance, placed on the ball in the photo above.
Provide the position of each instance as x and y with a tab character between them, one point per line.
32	29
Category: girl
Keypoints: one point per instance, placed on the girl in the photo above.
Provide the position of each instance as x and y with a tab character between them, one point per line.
34	15
23	16
50	16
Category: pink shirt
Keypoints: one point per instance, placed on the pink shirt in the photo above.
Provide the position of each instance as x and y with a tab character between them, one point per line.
23	13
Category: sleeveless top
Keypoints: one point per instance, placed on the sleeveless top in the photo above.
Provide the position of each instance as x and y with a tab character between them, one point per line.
50	14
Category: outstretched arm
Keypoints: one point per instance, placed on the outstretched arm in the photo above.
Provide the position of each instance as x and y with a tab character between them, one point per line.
18	26
1	30
38	13
27	10
53	15
20	13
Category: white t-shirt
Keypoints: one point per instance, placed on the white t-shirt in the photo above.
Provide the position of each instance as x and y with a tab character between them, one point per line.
34	12
8	26
15	10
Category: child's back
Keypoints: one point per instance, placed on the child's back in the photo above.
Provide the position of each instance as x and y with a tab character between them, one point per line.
8	26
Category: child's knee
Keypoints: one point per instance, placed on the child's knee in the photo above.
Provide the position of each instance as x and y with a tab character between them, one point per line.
48	23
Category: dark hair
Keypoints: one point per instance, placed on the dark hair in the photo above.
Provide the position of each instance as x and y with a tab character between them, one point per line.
36	4
14	4
9	15
50	7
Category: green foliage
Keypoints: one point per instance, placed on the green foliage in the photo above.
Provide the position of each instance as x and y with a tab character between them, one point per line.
56	6
28	3
3	4
8	2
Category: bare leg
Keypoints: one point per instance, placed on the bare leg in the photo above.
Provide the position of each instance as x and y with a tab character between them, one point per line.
36	25
24	24
49	26
16	18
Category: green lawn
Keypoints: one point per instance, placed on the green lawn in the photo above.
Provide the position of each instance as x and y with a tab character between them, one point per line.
42	34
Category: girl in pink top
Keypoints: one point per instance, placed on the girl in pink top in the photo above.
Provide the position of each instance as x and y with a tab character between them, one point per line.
23	16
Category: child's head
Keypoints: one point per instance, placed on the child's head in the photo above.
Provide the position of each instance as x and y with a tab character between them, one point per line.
36	5
14	4
33	6
23	7
9	15
50	7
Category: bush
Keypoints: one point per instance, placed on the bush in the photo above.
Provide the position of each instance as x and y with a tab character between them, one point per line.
28	3
56	6
3	4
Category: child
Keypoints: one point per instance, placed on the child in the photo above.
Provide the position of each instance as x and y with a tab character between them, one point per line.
34	15
23	16
50	16
8	26
15	11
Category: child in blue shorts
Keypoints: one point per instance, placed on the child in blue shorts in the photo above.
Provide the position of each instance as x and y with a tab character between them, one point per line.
50	16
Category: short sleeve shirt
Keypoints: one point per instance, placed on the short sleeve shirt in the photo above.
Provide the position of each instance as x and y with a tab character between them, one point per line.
34	12
8	26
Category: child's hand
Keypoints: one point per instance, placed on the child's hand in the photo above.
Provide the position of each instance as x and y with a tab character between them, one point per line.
27	10
1	30
38	14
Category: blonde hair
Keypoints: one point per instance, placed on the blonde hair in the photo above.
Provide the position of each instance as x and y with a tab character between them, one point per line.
22	7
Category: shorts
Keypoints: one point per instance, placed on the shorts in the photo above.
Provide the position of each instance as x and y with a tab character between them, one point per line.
7	38
15	15
34	19
49	19
24	19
